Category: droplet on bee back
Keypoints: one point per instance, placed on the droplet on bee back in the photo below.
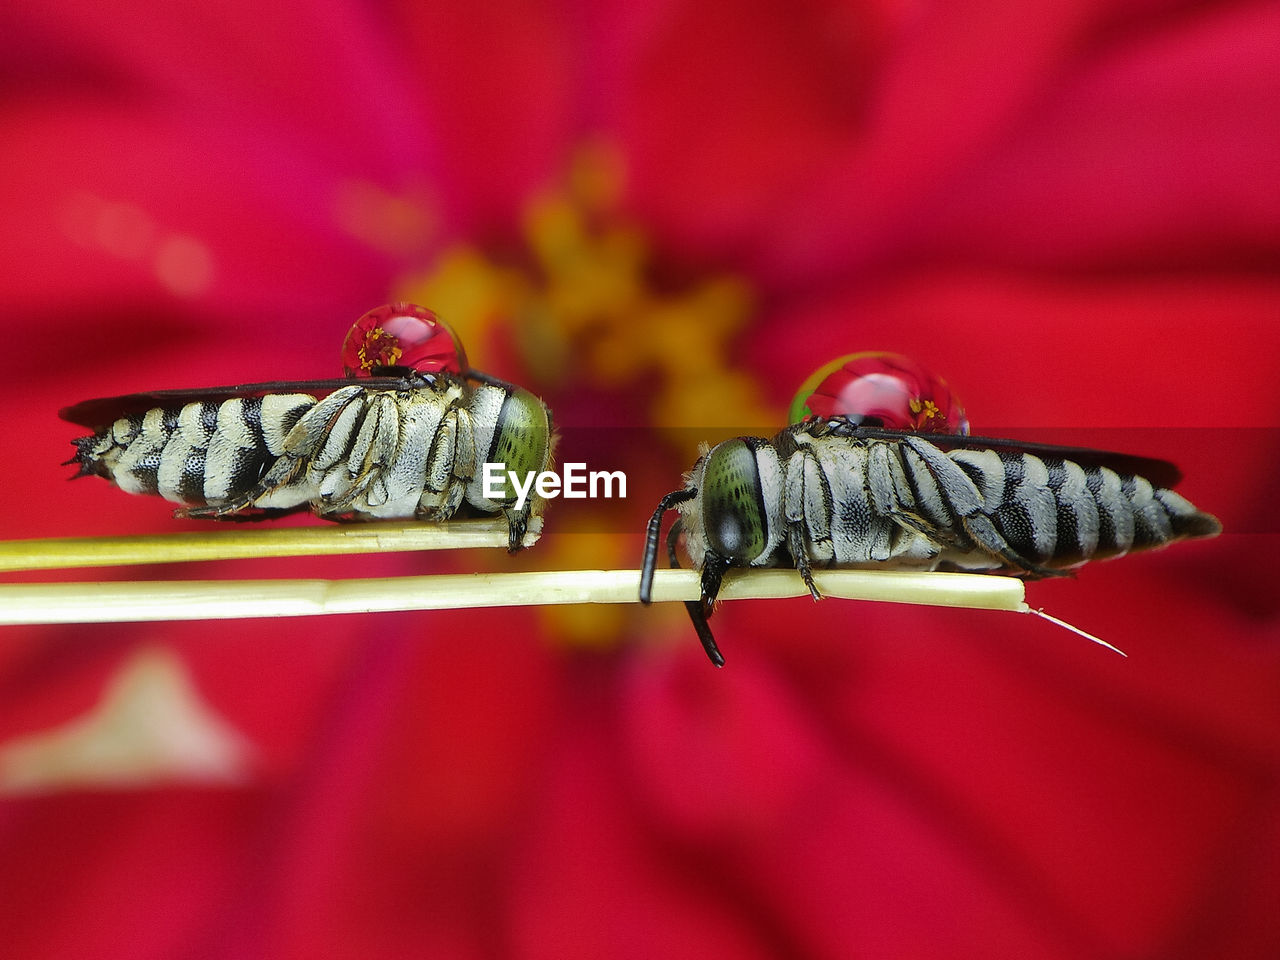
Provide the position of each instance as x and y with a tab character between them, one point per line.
881	389
401	335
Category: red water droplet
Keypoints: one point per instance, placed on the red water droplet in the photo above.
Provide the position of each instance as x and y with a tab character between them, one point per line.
881	389
401	335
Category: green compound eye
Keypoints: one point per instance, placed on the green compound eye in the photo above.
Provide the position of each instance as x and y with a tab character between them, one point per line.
732	503
522	439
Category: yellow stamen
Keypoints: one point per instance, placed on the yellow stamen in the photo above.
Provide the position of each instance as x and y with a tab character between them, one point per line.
580	306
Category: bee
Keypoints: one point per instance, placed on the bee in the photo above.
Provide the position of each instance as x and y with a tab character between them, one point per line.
844	490
405	435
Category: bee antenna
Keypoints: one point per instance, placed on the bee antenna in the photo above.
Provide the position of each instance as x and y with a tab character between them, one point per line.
653	535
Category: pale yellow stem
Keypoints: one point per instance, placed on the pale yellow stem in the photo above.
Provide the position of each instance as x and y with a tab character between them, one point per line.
239	543
229	599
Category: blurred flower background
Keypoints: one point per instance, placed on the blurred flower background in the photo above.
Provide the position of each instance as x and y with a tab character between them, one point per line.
661	217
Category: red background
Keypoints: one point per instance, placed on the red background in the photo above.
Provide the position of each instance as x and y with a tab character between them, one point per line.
1067	209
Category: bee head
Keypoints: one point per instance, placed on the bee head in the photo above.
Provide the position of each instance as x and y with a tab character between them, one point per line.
522	436
734	518
512	431
729	513
513	438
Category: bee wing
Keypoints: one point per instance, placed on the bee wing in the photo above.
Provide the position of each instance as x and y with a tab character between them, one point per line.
103	410
1160	472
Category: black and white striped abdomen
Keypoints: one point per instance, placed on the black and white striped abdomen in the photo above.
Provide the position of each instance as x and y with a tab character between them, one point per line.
1056	512
203	453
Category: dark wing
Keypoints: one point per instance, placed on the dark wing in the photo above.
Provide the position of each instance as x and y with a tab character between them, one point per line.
1162	473
104	410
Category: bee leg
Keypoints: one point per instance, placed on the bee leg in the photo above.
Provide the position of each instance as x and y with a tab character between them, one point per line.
442	456
705	636
964	499
284	472
464	460
242	515
806	509
304	444
694	608
450	505
447	469
800	554
210	512
673	537
983	532
893	496
366	462
713	568
215	511
517	526
713	571
330	507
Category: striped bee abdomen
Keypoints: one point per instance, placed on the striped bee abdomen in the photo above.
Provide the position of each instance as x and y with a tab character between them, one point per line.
1055	513
203	453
